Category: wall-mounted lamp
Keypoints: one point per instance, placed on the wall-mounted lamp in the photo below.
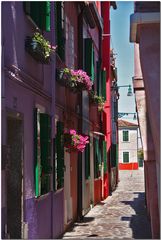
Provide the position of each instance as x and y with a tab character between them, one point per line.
129	93
122	114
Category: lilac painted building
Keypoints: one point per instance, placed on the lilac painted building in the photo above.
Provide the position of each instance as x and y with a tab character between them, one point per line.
145	33
30	208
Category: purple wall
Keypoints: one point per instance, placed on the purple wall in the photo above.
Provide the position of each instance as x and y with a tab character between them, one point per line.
30	83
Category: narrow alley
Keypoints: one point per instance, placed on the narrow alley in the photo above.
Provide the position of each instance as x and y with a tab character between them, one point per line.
122	215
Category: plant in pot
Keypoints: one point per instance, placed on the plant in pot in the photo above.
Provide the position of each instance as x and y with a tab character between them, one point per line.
39	48
98	100
74	141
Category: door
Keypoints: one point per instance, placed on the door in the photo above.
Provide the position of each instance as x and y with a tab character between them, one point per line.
14	176
67	188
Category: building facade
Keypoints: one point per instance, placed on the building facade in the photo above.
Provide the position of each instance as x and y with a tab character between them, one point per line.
128	145
145	34
49	185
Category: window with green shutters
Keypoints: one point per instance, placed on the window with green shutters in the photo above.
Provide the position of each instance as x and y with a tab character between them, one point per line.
59	156
125	157
42	153
60	29
87	161
39	12
99	85
125	136
89	58
97	158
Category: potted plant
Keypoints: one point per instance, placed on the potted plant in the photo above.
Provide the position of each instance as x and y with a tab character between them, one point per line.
74	141
39	48
95	99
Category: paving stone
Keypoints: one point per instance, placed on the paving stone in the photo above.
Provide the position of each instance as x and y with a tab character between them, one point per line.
122	215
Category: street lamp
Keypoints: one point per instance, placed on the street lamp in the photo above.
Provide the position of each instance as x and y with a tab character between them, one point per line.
129	93
122	114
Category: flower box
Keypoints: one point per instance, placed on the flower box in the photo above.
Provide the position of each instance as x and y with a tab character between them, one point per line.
96	100
39	48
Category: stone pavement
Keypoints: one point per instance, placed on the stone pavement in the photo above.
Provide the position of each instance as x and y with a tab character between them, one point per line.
120	216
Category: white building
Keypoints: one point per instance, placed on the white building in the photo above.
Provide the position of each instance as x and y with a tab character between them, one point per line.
128	145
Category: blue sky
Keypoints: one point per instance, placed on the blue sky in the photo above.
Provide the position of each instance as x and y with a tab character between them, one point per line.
120	32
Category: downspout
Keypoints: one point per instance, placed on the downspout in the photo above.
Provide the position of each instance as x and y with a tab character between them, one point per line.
53	63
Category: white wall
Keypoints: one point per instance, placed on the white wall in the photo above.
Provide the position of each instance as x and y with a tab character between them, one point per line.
130	146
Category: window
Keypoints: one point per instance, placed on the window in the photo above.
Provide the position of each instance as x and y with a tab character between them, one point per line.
69	51
39	12
125	157
105	156
42	152
89	58
60	29
125	136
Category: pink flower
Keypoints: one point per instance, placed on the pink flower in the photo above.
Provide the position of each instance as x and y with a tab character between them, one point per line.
72	132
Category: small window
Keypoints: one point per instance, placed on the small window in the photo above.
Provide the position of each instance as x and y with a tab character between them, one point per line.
125	136
125	157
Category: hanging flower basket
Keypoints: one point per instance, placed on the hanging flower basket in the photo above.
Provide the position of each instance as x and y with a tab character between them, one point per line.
74	141
75	80
39	48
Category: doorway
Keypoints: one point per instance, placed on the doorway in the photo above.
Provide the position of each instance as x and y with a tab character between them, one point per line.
67	188
14	175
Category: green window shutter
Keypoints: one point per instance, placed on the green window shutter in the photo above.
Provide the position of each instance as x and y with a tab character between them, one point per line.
116	154
27	8
89	58
98	78
96	158
125	157
60	154
87	161
103	78
59	25
125	136
105	156
45	143
37	153
39	12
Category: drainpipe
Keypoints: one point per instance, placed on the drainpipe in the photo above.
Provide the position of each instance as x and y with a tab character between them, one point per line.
141	18
53	64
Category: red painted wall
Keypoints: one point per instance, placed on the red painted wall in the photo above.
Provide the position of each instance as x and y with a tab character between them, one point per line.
97	190
128	166
106	65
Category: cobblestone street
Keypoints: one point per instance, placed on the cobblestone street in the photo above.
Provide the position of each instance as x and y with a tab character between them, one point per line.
122	215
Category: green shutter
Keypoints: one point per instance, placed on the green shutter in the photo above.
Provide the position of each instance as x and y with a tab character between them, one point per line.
87	161
60	154
98	78
59	25
39	12
125	157
45	143
96	158
89	58
105	156
116	154
125	136
37	160
103	77
26	7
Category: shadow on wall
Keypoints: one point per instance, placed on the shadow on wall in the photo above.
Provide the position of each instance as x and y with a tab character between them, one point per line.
139	223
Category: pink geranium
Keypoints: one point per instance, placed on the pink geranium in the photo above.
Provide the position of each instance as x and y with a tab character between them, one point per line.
78	142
